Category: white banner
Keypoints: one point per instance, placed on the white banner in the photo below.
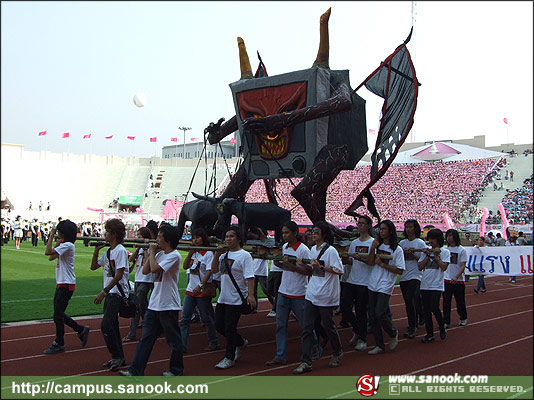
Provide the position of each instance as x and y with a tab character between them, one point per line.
500	260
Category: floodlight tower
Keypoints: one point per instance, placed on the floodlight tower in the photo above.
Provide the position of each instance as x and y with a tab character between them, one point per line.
184	128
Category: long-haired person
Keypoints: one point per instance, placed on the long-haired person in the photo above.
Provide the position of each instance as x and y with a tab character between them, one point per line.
198	262
238	263
455	279
355	291
410	280
65	284
115	267
381	281
433	262
322	297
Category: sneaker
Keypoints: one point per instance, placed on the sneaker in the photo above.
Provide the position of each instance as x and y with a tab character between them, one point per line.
361	345
443	333
375	351
125	373
302	368
271	314
212	347
55	349
463	322
240	349
107	364
446	325
427	339
116	363
128	338
225	363
275	361
83	335
476	290
484	290
317	353
353	339
168	373
335	361
394	342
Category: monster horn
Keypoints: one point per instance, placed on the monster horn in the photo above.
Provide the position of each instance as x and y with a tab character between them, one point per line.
246	70
324	46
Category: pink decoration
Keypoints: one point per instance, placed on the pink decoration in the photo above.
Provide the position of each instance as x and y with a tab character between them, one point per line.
505	222
483	221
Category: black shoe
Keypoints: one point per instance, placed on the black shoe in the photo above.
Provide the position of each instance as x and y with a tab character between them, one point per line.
427	339
116	363
409	334
443	333
83	335
55	349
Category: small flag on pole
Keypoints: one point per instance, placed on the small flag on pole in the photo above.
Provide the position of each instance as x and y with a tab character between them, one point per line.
66	135
42	133
87	136
233	140
174	139
131	137
194	139
505	120
109	137
153	139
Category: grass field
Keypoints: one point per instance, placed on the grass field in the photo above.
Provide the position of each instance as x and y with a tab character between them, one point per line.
28	283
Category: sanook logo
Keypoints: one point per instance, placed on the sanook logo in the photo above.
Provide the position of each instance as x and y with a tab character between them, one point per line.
367	385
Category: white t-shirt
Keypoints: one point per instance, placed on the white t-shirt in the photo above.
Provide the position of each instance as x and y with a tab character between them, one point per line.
294	284
139	276
411	269
457	257
200	264
165	295
119	260
260	266
65	264
432	278
240	263
323	288
275	268
359	274
381	280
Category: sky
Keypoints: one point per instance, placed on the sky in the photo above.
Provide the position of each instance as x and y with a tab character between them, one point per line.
75	66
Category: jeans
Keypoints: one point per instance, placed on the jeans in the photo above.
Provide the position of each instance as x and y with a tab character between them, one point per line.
458	290
410	294
61	301
154	323
273	283
141	290
380	318
481	283
284	305
204	305
110	325
311	312
357	295
431	306
226	319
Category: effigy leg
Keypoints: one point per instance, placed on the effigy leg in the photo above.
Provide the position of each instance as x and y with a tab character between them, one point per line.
324	44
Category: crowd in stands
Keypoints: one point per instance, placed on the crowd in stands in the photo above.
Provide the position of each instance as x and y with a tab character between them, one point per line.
518	203
427	190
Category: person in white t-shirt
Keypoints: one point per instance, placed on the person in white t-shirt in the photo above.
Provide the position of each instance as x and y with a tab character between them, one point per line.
65	284
115	267
433	262
322	297
260	274
198	262
410	280
237	262
162	314
455	279
143	283
292	288
381	282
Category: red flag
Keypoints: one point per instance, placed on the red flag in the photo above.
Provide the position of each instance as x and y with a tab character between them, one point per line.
194	139
174	139
131	137
372	131
153	139
42	133
505	120
87	136
109	137
233	140
66	135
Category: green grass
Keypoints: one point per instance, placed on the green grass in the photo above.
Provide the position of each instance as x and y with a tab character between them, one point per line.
28	283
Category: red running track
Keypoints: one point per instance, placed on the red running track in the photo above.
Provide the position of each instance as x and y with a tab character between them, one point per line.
497	341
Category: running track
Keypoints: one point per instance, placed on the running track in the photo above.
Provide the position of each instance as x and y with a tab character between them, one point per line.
497	341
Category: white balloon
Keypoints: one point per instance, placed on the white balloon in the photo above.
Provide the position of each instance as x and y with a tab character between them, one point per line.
139	100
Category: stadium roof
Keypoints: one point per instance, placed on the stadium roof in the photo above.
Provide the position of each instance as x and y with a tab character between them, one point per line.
444	152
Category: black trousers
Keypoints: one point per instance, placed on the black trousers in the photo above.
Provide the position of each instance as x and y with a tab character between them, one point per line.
35	239
380	319
273	283
110	325
61	301
410	294
458	291
357	295
431	306
226	320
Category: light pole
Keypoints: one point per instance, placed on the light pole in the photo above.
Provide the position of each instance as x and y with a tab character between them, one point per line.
184	128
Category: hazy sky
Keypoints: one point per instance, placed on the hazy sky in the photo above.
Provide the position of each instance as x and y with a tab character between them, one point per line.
75	66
